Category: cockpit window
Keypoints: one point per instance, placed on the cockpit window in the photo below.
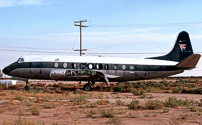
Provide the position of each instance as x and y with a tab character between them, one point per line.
20	60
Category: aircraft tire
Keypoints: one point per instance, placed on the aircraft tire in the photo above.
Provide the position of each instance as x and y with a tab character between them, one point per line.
26	88
87	87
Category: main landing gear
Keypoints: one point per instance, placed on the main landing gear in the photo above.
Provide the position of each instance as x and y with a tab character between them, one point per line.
26	88
88	85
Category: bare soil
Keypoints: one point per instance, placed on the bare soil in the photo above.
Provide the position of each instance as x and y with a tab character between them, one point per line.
16	106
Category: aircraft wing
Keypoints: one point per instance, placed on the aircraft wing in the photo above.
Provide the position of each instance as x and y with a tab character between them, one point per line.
81	74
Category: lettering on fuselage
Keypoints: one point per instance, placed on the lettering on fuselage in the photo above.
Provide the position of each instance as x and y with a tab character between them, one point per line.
153	73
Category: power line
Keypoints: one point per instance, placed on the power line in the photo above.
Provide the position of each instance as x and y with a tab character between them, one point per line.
85	53
152	25
74	42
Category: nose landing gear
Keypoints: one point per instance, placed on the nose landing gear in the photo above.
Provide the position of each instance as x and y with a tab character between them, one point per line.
26	88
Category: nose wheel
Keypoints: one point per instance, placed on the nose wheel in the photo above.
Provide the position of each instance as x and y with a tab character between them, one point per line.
26	88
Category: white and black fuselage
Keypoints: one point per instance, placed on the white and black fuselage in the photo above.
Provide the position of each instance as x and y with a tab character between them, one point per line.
107	69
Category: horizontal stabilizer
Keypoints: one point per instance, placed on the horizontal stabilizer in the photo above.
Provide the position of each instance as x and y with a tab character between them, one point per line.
189	62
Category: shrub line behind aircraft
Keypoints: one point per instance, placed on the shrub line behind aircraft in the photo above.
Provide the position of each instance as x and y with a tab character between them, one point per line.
105	69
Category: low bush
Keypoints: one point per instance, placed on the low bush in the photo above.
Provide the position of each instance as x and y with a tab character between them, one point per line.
107	113
89	114
103	102
172	102
176	90
153	104
198	90
49	105
185	90
55	85
134	104
58	90
116	121
136	92
118	88
79	100
119	102
35	110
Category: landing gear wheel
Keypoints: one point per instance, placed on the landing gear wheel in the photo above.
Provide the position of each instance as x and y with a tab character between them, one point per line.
26	88
87	87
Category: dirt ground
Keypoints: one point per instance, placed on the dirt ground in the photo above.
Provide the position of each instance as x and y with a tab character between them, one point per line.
95	107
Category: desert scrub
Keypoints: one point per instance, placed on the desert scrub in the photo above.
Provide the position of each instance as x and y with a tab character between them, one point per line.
118	88
18	97
50	105
107	113
103	102
200	104
79	100
12	92
89	114
193	108
136	92
56	85
92	105
35	110
78	91
119	102
166	109
116	121
146	96
173	102
134	104
176	90
58	90
2	110
153	104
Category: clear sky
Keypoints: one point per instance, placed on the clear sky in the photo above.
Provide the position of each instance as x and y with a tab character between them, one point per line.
115	26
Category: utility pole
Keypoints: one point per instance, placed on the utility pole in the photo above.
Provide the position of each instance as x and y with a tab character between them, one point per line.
80	25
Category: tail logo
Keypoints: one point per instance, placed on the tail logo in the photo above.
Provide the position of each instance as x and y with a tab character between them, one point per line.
182	46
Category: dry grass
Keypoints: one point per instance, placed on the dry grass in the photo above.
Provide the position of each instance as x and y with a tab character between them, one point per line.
77	106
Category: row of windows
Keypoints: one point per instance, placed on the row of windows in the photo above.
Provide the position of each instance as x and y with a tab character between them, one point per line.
92	66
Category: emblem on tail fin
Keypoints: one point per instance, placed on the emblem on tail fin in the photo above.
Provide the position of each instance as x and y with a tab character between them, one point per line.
182	47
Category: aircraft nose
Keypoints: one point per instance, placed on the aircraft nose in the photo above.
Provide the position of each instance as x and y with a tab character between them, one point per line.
6	71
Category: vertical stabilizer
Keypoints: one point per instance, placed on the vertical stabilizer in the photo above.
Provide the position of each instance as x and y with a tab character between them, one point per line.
181	50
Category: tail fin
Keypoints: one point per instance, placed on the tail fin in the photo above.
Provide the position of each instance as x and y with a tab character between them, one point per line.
182	49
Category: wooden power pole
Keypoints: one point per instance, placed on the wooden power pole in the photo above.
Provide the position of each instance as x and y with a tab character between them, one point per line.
80	25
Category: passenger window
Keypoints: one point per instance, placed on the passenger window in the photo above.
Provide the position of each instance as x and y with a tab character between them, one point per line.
99	66
56	65
124	67
65	65
73	66
82	65
106	67
115	67
132	67
90	66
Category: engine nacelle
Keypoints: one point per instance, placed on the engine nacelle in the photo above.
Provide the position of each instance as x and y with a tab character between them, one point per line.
58	74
